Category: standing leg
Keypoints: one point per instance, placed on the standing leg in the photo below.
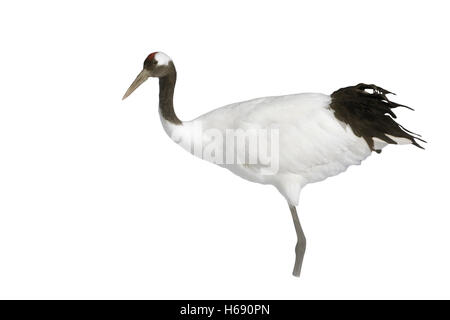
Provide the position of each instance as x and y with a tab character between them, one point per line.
301	242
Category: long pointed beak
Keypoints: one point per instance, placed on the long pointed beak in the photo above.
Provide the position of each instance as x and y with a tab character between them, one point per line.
140	79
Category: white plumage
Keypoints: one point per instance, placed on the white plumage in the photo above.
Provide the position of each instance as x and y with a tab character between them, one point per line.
313	144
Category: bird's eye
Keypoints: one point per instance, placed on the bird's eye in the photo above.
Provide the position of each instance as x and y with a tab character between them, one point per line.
154	61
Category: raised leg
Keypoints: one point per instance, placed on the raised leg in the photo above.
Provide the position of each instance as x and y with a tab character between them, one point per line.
301	242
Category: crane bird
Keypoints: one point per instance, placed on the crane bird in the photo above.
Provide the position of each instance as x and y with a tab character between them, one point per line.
315	136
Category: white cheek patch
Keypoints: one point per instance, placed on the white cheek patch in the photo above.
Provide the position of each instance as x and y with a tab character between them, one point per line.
162	58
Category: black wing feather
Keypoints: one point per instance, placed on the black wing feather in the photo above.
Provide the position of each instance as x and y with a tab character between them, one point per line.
370	114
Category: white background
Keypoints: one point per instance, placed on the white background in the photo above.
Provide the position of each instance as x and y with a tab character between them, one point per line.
97	202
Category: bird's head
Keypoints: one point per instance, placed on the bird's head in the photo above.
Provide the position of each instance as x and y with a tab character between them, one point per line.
157	65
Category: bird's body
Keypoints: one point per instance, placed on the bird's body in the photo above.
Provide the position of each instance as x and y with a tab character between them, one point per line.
313	144
284	141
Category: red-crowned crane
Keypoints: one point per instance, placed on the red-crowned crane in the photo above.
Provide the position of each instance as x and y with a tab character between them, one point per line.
309	136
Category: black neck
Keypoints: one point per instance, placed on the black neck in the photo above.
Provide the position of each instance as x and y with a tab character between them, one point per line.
166	91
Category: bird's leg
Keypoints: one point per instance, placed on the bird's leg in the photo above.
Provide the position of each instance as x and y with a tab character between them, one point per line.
301	242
